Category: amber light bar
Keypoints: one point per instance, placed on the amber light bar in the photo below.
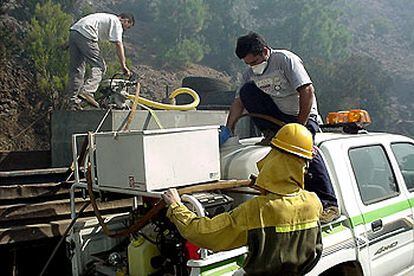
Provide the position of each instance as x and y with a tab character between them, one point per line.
351	116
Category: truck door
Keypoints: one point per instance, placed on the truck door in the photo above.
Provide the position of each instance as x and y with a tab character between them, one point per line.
404	154
386	212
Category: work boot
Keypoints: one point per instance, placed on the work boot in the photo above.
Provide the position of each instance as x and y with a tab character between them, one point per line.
89	98
73	104
75	107
329	214
268	135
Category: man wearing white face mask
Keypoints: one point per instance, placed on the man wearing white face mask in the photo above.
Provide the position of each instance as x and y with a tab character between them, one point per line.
276	84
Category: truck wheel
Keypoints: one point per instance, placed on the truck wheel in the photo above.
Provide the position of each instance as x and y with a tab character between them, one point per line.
217	99
203	86
345	269
206	85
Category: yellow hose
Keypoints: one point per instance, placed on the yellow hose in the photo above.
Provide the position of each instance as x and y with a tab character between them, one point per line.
175	93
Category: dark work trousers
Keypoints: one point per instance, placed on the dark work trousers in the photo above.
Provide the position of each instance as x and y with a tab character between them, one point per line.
317	179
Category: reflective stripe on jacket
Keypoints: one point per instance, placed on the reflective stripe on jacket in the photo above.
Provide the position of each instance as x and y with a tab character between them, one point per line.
280	228
281	231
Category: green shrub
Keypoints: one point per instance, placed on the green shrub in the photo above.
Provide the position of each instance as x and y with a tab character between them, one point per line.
48	35
184	52
178	27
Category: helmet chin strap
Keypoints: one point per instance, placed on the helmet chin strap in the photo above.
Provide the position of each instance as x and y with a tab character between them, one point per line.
267	53
307	166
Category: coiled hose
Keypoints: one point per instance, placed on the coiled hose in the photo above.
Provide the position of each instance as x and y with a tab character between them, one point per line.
175	93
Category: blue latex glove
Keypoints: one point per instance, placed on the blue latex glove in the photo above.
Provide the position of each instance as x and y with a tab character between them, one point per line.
224	134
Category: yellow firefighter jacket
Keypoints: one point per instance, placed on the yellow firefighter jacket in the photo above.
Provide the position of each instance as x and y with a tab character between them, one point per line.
280	228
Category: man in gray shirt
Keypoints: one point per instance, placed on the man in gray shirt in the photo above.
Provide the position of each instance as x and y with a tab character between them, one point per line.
84	48
277	85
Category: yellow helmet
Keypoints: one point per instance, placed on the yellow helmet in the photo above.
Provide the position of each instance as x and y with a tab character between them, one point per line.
295	139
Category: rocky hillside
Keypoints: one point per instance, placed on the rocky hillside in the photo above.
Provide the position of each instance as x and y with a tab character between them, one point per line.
24	117
384	31
24	120
22	114
380	29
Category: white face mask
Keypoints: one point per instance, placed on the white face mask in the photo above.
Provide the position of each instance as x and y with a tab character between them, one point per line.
259	69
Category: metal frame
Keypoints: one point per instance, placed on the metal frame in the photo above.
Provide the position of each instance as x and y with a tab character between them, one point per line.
195	265
82	184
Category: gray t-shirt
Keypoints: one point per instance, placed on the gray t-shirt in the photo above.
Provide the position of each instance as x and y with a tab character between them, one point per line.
100	26
284	74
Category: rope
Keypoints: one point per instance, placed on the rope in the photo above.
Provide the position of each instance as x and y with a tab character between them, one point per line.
134	107
82	154
103	120
153	114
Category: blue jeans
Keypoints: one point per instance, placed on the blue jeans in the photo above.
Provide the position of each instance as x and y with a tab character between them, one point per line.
256	101
317	179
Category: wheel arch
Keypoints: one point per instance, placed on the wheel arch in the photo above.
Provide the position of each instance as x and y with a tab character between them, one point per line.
349	268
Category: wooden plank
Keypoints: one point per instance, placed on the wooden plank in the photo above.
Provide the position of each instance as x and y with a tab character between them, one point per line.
32	172
52	209
26	191
23	160
33	176
37	231
33	232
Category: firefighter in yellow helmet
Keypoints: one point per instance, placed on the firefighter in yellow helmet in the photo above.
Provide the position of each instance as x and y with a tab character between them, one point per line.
280	227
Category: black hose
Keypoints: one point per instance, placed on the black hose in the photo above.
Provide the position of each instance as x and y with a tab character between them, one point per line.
63	238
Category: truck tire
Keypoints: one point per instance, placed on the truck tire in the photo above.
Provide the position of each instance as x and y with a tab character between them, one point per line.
224	98
206	85
209	89
344	269
218	100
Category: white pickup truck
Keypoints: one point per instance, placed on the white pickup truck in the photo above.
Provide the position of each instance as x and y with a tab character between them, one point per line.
373	178
373	175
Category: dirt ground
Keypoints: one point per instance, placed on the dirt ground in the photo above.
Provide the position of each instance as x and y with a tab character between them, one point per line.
23	118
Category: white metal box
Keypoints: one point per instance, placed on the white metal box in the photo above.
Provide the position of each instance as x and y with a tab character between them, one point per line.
157	159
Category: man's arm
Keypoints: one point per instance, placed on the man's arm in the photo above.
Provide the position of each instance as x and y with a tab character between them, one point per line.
121	56
235	112
305	102
222	232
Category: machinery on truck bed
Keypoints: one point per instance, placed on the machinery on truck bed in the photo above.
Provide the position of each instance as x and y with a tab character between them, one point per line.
372	174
